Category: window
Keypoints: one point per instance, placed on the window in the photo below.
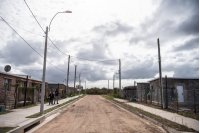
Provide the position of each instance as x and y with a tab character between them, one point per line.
24	84
8	81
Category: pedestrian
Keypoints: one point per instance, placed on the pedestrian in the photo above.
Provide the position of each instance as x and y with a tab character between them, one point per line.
56	96
51	96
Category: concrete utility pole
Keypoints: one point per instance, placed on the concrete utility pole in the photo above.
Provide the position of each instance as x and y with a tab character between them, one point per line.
108	85
160	74
75	80
120	77
113	81
67	76
44	64
85	87
44	73
79	86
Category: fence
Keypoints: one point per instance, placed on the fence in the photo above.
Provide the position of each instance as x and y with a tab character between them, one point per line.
181	100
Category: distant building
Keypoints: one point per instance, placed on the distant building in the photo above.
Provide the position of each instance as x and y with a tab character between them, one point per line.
61	87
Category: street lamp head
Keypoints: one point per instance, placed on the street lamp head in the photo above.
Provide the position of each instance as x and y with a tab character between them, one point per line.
67	11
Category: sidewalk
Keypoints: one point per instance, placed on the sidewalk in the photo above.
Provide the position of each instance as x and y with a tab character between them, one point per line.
189	122
18	116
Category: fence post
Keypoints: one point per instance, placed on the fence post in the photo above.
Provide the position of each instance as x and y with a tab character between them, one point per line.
194	102
151	96
177	100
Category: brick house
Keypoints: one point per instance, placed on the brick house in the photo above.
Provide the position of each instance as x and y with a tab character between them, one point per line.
21	79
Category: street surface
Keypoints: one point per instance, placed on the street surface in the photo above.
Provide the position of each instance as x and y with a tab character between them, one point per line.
94	113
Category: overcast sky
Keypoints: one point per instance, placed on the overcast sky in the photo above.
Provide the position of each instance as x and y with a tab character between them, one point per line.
102	30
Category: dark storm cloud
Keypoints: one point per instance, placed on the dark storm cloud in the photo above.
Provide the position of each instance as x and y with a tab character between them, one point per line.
188	45
184	70
190	26
120	28
165	25
18	53
144	69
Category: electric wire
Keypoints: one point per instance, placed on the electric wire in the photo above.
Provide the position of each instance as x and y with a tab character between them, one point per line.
22	28
72	62
34	16
58	48
30	45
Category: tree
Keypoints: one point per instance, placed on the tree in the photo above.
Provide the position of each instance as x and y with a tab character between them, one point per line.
104	88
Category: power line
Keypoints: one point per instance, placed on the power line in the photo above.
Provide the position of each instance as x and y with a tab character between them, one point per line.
30	45
72	62
58	48
34	16
94	60
22	28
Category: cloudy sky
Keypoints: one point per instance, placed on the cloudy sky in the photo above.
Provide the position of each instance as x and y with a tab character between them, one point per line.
101	30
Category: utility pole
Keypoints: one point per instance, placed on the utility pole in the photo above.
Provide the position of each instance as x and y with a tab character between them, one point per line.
85	87
113	81
108	85
160	74
67	76
44	73
79	85
75	80
120	77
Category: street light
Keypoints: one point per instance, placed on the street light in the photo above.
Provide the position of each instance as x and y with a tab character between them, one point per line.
79	80
44	64
56	14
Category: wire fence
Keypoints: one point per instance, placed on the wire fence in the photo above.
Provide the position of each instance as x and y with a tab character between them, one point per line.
175	99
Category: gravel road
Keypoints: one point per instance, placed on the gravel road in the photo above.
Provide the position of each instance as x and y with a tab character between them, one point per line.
95	114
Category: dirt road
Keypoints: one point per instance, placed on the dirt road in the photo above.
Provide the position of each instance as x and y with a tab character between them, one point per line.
95	114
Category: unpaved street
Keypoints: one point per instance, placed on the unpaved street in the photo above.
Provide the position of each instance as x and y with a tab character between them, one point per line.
95	114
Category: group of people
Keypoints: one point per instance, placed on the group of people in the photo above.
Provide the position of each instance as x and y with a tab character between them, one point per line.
51	97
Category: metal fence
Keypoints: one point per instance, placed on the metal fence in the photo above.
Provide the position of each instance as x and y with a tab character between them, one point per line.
184	100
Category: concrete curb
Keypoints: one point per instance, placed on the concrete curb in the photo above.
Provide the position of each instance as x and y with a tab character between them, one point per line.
168	129
39	119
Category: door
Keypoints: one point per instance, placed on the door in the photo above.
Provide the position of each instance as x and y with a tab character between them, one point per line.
180	93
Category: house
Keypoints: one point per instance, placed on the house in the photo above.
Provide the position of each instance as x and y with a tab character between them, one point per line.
21	79
183	90
130	92
142	91
61	87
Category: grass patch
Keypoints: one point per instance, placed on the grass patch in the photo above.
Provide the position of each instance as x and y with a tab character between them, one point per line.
5	112
51	109
190	115
159	119
186	114
6	129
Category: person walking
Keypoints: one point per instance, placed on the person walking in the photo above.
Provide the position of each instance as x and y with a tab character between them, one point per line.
51	96
56	96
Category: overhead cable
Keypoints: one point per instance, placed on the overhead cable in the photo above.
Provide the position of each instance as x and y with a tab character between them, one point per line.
23	29
30	45
58	48
34	16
